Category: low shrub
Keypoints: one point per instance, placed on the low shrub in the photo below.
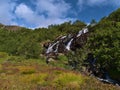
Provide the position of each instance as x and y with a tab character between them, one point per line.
70	80
3	54
26	69
34	78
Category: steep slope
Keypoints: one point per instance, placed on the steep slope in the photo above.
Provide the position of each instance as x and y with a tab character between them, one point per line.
28	43
100	47
104	43
103	46
17	73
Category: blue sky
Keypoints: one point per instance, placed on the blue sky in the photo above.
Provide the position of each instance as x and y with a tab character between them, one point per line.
41	13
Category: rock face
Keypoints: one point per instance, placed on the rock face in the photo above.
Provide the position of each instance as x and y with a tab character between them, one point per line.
64	44
72	42
99	72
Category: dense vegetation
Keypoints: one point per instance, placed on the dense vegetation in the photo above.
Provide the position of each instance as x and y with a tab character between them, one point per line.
28	43
18	73
103	42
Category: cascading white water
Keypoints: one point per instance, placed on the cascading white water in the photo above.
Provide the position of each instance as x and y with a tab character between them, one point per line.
85	30
69	44
56	50
107	79
80	33
50	48
63	37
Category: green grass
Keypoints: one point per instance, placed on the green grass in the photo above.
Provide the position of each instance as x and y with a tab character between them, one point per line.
3	57
17	73
70	80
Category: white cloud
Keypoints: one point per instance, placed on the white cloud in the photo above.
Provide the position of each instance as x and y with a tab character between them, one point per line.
44	12
47	12
53	8
29	16
6	8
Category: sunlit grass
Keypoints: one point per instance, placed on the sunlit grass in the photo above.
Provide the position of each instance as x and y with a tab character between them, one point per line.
18	73
26	69
70	80
0	67
3	57
34	78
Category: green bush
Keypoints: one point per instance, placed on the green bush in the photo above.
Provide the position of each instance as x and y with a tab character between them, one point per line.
68	79
3	55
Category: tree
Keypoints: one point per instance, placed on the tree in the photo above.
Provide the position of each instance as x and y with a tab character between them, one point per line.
93	22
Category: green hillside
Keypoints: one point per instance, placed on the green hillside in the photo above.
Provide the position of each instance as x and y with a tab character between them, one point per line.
105	43
29	43
22	56
17	73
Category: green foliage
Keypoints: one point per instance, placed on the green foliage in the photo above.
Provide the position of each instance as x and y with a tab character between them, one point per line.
3	55
76	59
93	21
68	79
25	74
62	58
29	43
104	42
115	15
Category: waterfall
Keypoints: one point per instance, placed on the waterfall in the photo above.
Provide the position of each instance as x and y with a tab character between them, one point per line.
107	79
69	44
56	50
85	30
50	48
80	33
63	37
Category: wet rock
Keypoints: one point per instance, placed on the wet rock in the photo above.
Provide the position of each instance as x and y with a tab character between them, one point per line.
67	43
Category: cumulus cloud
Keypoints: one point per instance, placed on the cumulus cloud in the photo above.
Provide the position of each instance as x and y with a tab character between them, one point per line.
47	12
6	15
53	8
44	12
24	12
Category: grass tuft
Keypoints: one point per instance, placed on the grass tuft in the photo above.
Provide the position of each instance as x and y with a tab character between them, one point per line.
68	79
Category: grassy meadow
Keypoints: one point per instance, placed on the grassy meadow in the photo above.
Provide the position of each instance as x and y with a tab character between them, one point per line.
17	73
